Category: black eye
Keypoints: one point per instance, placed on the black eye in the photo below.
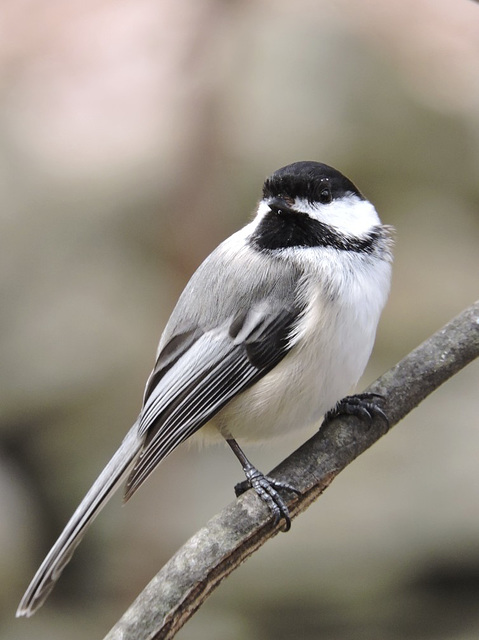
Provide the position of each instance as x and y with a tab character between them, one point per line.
325	195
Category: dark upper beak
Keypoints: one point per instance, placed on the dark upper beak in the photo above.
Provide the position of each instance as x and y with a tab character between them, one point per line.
279	205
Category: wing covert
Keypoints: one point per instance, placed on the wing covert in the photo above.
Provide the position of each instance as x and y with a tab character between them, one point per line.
213	368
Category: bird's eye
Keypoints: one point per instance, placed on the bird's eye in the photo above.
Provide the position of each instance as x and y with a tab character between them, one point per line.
325	195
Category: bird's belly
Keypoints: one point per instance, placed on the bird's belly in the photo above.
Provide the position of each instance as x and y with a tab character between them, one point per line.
319	370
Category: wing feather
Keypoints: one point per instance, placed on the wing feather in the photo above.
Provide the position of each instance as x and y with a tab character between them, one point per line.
212	370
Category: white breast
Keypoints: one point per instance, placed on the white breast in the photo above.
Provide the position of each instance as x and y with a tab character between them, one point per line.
332	345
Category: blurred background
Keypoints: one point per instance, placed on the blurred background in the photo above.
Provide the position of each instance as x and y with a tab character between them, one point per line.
134	137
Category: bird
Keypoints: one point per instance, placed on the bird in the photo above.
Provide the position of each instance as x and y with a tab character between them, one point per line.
270	334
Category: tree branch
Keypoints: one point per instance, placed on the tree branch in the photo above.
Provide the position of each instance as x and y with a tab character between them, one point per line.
183	584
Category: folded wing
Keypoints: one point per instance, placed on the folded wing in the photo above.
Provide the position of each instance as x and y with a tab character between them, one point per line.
197	375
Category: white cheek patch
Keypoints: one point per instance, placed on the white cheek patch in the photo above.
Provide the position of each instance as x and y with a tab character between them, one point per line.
349	215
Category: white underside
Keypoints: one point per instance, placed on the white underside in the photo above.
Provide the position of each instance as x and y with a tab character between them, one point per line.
327	359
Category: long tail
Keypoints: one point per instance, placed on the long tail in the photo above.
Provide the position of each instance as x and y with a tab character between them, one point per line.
61	552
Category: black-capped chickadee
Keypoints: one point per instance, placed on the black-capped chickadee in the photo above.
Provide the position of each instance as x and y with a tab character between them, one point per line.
272	330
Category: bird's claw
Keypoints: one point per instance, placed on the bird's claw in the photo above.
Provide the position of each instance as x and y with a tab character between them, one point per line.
267	490
362	405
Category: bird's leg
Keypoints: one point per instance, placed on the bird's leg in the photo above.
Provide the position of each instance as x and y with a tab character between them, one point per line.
264	486
362	405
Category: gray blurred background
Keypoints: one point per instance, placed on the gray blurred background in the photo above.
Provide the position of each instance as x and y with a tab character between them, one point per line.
135	136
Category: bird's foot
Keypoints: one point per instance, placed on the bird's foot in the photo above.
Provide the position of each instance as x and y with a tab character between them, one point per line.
362	405
267	490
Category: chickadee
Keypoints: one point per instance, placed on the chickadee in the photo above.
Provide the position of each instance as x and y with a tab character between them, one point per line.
272	330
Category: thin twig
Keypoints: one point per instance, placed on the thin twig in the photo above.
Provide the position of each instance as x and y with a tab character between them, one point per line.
183	584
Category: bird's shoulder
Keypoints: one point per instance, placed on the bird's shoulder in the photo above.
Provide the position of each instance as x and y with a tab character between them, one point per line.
233	278
240	297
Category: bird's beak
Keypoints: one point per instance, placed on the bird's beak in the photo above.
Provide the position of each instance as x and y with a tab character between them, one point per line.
279	205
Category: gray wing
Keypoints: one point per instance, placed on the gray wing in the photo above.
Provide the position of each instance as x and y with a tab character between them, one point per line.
198	372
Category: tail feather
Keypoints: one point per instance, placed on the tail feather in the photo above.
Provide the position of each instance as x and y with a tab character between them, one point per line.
96	498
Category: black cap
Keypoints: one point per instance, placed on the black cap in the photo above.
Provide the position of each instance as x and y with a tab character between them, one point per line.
313	181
